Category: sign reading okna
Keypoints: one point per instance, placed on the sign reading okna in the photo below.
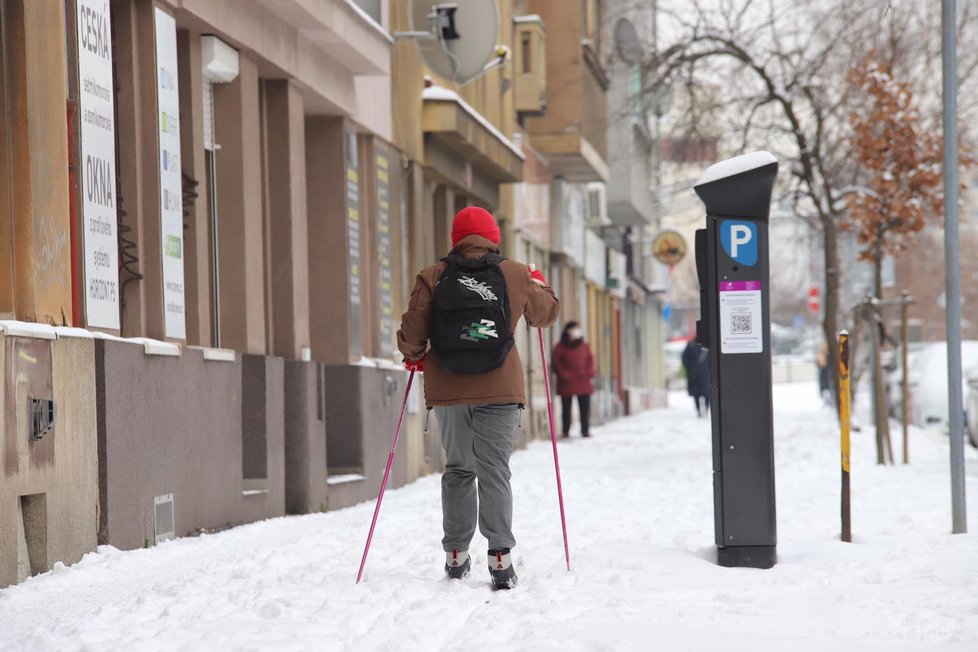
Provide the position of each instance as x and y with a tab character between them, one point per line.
171	184
97	118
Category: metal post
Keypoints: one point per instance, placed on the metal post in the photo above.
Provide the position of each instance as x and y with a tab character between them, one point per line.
844	423
905	387
215	249
952	269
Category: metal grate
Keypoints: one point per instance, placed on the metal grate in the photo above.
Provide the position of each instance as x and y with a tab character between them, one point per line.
163	507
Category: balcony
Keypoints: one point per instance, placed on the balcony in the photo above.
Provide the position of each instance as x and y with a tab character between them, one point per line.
531	65
450	124
572	135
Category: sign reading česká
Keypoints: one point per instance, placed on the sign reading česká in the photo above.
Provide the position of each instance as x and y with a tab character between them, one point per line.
97	170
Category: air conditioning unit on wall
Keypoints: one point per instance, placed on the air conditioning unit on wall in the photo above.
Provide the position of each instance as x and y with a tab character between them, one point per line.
596	204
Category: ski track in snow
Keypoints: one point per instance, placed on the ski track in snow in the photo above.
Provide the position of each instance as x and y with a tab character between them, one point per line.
640	521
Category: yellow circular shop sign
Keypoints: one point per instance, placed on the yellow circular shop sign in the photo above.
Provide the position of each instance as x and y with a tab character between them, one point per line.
669	247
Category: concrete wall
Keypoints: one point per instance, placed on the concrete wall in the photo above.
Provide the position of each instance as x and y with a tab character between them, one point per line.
362	406
185	441
48	488
305	437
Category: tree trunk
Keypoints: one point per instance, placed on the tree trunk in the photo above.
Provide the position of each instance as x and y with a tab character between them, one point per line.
830	320
878	273
884	446
880	403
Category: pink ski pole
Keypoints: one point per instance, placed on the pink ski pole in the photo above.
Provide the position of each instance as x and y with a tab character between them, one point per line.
387	473
553	440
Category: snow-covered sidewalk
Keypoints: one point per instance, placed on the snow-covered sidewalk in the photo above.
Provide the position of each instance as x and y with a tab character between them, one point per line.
640	522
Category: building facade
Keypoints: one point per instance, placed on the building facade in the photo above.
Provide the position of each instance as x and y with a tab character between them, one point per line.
201	259
211	214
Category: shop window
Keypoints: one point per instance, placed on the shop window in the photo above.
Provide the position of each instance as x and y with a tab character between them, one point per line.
219	63
254	423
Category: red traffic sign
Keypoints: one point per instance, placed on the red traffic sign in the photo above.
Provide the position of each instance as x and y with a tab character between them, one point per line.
814	302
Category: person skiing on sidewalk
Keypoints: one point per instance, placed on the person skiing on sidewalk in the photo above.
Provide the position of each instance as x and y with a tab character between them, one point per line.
467	307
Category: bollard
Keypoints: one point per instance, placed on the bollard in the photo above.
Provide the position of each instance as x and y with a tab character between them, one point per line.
845	410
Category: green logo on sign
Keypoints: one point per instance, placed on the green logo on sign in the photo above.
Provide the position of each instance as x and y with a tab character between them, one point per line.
173	247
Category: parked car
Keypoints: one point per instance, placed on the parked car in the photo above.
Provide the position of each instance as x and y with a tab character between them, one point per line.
928	382
893	375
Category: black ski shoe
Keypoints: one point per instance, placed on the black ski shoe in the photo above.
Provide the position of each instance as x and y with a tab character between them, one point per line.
457	564
501	569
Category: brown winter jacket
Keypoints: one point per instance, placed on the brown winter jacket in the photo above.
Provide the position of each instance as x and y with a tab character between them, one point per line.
501	385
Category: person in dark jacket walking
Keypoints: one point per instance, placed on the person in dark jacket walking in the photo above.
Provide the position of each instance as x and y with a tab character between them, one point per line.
573	363
696	360
478	412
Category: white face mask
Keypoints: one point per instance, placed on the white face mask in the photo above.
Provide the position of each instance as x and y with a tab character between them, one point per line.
575	334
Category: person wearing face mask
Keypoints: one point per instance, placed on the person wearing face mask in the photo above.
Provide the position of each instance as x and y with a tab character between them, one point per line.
574	365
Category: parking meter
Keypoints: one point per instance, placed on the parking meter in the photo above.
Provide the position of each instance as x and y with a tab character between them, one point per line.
735	325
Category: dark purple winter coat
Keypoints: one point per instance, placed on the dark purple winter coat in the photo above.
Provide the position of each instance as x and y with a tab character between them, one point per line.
574	366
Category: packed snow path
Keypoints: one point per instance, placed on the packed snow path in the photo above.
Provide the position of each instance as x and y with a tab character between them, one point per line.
640	522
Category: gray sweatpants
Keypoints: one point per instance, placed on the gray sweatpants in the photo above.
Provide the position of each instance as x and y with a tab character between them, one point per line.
478	441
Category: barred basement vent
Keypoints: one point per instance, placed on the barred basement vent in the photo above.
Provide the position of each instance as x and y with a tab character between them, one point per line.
164	517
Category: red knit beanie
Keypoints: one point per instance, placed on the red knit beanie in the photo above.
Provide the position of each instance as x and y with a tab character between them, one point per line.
473	220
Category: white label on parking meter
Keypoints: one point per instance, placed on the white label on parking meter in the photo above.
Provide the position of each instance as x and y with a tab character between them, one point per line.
740	317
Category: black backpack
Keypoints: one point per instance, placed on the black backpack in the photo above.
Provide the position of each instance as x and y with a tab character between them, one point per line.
470	315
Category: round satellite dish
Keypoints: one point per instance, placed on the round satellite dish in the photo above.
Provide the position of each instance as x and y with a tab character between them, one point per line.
669	247
465	35
626	42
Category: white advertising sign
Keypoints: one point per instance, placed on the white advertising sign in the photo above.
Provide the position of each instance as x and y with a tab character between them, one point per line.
97	118
595	265
171	204
618	270
740	317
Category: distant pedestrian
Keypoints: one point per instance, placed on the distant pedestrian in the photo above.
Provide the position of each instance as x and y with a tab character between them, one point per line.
467	307
822	361
696	360
573	363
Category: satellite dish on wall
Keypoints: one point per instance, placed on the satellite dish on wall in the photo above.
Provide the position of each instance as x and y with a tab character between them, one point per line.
626	42
457	39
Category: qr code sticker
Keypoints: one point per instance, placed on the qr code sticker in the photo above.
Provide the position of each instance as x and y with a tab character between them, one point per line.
740	323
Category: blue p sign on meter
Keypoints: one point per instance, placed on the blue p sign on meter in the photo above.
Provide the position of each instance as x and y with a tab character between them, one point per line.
739	240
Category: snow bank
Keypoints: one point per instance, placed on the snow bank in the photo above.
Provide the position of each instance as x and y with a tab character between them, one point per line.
640	521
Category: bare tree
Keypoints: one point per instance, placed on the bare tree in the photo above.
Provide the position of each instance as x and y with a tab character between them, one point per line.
781	74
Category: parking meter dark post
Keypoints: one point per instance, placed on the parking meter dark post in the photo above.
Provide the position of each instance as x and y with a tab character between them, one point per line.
735	325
